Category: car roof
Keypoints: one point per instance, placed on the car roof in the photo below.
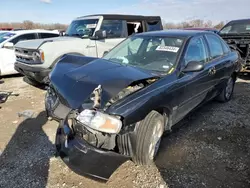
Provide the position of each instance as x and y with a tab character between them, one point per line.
239	20
18	32
175	33
123	16
200	28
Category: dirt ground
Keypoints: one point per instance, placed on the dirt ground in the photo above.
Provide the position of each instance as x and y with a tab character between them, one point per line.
209	148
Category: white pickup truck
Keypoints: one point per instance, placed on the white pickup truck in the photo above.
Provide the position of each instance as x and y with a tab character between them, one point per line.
91	35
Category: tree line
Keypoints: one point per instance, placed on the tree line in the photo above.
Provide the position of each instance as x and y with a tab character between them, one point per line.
193	23
27	24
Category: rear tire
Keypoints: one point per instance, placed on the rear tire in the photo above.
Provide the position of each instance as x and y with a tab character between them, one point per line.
148	137
227	91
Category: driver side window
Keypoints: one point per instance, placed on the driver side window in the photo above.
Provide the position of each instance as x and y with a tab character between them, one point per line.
114	28
196	51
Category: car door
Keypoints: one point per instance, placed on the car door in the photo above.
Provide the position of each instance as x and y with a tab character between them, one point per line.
198	85
220	59
8	57
116	31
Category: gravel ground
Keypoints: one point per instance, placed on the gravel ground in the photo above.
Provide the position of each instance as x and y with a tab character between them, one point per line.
209	148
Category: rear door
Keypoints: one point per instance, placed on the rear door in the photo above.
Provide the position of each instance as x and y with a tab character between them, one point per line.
220	59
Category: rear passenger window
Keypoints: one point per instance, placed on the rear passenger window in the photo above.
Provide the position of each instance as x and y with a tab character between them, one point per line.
225	47
48	35
215	46
154	25
134	27
23	38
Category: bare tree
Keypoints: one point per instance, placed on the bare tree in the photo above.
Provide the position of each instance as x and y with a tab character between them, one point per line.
28	24
208	23
219	25
193	23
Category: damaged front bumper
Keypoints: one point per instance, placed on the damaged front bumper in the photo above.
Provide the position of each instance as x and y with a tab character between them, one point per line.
83	158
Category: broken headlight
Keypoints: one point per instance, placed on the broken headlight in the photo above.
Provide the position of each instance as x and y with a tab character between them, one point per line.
100	121
38	56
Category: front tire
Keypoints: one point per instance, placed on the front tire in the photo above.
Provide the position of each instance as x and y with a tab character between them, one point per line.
227	91
148	138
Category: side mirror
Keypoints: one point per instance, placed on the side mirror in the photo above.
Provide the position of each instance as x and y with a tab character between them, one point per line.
105	52
8	45
193	66
100	34
61	33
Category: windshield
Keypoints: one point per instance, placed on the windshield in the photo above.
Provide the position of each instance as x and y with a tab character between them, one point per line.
236	28
82	28
5	35
147	52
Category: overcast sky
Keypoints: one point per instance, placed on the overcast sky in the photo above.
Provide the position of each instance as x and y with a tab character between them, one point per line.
63	11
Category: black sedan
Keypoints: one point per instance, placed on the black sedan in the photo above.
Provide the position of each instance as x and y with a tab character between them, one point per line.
116	108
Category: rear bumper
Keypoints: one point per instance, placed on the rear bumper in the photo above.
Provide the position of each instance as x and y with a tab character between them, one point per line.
37	74
85	159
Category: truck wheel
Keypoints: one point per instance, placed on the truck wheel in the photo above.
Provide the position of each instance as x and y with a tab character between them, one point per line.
34	83
148	138
227	92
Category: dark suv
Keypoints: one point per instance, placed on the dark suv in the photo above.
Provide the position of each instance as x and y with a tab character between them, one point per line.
237	34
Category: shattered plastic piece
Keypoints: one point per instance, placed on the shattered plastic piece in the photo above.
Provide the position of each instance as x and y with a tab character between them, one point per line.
14	122
97	96
219	138
4	96
26	114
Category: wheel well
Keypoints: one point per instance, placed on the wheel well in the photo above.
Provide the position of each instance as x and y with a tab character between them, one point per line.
167	116
234	75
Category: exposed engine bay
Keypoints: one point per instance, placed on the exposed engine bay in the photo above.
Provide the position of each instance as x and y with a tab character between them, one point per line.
242	45
135	86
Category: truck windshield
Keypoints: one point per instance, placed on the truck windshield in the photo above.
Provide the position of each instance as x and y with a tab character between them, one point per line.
82	28
5	35
147	52
240	27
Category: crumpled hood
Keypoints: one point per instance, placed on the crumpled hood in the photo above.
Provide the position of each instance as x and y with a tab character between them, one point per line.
75	78
35	44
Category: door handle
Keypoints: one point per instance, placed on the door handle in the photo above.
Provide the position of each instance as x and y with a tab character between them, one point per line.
212	71
90	46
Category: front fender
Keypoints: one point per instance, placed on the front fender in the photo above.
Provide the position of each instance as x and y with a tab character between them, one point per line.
53	51
156	96
135	107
